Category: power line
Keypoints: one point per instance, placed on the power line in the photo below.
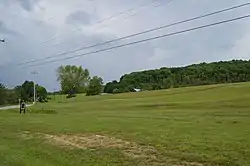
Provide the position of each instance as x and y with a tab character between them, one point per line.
148	39
125	18
129	10
166	2
137	13
156	6
137	34
105	19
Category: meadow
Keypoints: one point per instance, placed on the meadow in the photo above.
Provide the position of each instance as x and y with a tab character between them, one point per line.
193	126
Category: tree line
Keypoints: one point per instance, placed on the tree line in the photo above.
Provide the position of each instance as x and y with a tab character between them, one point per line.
197	74
24	92
75	79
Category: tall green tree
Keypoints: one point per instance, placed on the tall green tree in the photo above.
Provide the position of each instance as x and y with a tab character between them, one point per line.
26	91
73	77
12	96
2	94
111	87
95	86
41	93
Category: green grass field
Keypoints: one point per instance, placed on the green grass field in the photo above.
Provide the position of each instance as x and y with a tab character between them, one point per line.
206	125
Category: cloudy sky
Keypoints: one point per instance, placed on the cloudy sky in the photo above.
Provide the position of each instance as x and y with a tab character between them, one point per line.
35	29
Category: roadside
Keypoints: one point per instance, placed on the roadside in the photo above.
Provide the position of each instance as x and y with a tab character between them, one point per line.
12	107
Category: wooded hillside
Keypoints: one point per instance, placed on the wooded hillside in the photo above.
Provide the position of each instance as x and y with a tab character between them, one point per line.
192	75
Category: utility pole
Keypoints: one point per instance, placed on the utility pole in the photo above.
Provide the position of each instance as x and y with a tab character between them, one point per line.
54	94
34	73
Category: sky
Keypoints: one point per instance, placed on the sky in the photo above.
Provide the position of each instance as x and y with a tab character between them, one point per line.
35	29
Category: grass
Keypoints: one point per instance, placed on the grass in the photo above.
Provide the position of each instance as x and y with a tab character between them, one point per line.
205	125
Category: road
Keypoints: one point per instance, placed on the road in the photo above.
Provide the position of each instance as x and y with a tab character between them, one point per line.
12	107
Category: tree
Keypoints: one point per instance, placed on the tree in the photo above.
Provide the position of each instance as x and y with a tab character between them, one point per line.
41	93
26	92
95	86
12	96
111	86
116	90
168	83
73	77
23	92
2	94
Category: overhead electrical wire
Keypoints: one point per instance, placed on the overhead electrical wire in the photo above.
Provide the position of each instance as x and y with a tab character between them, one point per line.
103	20
137	34
125	18
145	40
135	14
164	2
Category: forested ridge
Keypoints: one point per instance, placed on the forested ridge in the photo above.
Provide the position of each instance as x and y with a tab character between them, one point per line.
197	74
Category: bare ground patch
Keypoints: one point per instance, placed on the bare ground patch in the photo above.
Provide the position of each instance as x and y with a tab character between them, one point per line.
93	141
147	154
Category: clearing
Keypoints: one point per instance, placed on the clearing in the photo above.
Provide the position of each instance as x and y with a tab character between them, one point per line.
194	126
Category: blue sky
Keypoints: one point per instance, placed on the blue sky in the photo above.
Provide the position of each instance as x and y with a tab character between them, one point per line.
26	24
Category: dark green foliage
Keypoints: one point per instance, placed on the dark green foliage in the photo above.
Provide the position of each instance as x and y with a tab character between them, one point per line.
95	86
8	96
41	93
111	86
198	74
24	92
12	97
2	94
116	90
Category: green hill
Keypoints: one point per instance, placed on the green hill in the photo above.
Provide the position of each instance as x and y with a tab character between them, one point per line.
193	126
197	74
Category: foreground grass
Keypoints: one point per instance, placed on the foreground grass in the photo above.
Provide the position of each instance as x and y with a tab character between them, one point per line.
206	125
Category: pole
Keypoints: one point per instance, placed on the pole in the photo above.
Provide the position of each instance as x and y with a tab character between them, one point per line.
34	93
54	94
34	73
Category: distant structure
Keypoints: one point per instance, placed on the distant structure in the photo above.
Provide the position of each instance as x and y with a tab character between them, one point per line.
137	90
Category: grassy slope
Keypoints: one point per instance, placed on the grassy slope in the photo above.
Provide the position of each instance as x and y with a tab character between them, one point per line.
206	124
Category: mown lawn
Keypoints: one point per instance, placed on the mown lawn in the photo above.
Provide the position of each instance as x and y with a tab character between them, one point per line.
206	125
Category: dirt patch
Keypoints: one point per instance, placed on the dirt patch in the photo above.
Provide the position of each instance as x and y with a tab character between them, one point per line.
147	154
188	164
93	141
26	135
